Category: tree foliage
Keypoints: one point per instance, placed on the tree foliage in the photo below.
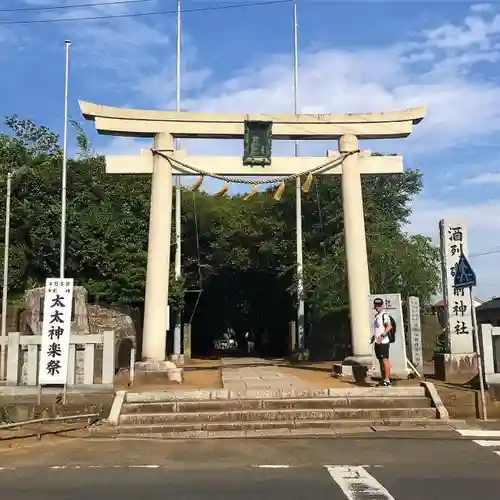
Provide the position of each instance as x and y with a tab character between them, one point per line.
241	253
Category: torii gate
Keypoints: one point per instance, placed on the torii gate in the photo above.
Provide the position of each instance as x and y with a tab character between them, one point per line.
164	126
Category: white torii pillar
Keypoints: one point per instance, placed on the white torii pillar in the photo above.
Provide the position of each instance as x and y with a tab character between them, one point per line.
154	338
358	275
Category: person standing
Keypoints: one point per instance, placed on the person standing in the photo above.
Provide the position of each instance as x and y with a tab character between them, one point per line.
250	338
380	338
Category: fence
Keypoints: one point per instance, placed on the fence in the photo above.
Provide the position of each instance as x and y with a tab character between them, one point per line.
23	353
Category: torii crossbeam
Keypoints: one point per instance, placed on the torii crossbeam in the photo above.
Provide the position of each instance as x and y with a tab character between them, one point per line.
165	126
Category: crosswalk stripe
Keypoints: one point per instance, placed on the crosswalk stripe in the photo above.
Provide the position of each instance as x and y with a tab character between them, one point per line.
357	483
495	444
478	433
272	466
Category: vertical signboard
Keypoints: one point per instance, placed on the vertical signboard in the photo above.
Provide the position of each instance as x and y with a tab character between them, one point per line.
393	307
457	303
56	331
415	334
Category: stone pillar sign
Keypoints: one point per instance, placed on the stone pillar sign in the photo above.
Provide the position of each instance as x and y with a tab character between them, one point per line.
458	307
415	333
458	363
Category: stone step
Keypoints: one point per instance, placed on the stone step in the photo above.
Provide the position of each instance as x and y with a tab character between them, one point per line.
264	425
276	404
269	415
266	433
224	394
267	428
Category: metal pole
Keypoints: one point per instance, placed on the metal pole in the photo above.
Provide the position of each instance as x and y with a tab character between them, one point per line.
484	411
64	166
5	273
298	192
178	321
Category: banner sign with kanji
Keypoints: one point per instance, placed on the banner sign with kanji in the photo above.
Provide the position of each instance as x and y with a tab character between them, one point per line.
56	332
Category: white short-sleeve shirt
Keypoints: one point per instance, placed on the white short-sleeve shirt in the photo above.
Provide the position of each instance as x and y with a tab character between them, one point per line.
380	321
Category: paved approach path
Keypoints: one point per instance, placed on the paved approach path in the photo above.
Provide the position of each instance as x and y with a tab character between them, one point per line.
256	373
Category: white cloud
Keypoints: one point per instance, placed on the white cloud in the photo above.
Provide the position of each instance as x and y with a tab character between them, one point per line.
475	30
487	178
482	8
125	146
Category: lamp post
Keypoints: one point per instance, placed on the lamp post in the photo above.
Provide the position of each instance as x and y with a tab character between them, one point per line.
5	285
178	193
64	166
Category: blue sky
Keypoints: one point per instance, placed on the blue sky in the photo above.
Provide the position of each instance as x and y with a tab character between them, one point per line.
354	56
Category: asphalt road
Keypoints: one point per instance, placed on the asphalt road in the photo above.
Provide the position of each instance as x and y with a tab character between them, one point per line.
361	468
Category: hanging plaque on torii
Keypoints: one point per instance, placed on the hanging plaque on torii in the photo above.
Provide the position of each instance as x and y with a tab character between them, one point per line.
257	143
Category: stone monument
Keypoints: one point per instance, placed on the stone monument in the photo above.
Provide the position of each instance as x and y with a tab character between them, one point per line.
163	161
86	319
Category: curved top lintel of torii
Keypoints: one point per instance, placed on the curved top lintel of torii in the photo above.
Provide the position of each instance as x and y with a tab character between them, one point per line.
146	123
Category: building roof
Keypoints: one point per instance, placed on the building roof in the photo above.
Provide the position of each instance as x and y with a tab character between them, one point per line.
490	304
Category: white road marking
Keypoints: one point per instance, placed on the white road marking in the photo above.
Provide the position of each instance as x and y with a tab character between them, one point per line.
479	433
495	444
354	465
156	466
272	466
357	483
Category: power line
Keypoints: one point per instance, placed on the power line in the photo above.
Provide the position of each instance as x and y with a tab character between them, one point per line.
73	6
489	252
157	13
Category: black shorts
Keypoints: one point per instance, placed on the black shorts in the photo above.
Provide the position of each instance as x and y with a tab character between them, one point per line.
382	351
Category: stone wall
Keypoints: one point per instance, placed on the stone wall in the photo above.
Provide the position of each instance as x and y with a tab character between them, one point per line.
86	319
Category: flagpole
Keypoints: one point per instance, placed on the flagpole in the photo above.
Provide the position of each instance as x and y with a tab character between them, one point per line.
298	192
64	167
177	328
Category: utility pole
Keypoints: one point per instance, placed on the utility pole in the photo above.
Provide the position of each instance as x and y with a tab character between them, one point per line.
5	273
178	229
6	248
298	192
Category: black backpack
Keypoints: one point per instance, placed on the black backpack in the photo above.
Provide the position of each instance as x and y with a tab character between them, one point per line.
392	333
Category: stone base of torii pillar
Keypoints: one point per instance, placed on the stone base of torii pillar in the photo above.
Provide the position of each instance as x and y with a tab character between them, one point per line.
157	369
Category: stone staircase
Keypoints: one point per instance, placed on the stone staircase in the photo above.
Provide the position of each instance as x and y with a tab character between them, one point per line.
283	412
